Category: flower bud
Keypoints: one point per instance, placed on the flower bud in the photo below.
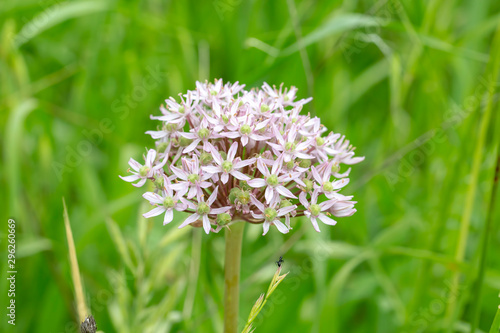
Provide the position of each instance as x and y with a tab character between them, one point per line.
162	146
233	194
184	142
285	203
243	197
206	158
171	127
159	182
309	185
289	165
223	219
335	167
305	163
244	186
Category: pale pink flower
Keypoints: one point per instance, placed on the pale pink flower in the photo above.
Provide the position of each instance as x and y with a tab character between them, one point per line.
202	210
192	179
166	203
272	180
315	211
143	172
251	152
230	166
271	215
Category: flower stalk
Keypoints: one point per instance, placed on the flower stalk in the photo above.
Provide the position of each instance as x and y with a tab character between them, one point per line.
234	236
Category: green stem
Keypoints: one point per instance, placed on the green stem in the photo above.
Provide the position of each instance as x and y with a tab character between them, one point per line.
234	235
476	307
493	67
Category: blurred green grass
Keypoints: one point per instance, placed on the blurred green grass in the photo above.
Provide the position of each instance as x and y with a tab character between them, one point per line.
406	81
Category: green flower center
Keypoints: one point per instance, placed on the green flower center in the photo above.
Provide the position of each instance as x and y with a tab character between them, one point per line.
225	119
272	180
285	203
290	146
223	219
327	187
143	171
213	92
315	210
264	108
227	166
168	202
203	133
245	129
193	178
181	109
202	209
270	214
320	141
289	165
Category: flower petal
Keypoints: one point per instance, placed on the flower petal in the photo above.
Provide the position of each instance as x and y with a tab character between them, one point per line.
153	197
154	212
256	182
280	226
239	175
286	192
265	227
232	151
206	224
213	196
131	178
189	220
326	220
169	216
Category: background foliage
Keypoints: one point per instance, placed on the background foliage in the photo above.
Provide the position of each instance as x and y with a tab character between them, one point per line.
409	82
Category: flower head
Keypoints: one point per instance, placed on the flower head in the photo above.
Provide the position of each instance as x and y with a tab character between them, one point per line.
225	154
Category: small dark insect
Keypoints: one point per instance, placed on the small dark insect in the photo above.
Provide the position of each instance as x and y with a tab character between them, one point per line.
280	261
88	325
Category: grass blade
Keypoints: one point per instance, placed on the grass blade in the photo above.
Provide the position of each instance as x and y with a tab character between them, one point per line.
81	306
